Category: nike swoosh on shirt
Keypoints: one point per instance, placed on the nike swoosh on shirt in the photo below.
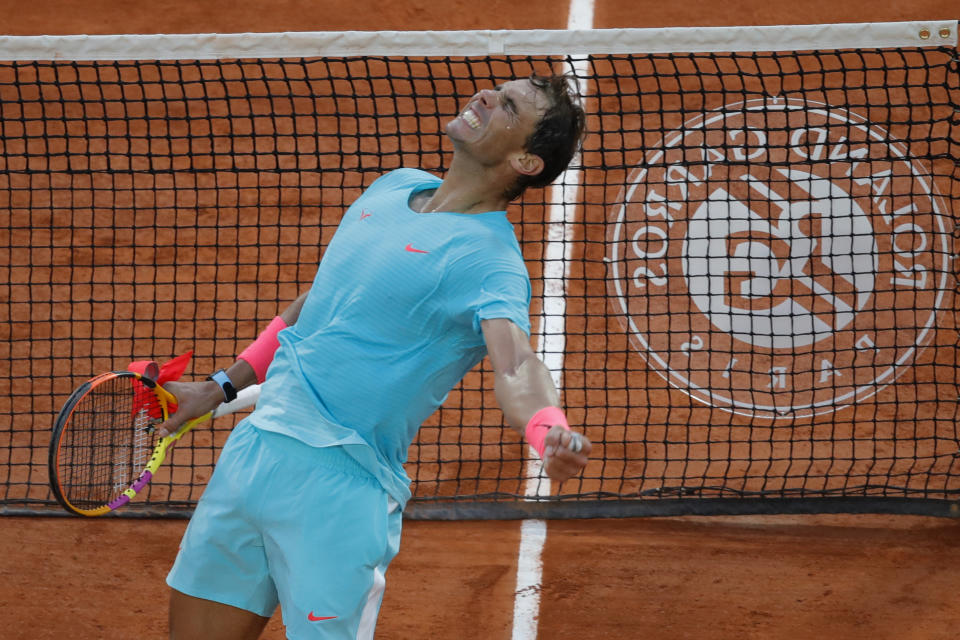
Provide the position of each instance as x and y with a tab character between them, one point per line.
313	618
410	248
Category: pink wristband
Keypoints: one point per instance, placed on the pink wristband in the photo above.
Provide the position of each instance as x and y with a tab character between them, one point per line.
260	354
540	424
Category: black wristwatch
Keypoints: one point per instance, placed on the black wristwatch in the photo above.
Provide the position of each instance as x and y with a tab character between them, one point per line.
226	385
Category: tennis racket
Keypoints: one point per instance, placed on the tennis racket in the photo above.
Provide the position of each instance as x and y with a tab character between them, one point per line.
104	448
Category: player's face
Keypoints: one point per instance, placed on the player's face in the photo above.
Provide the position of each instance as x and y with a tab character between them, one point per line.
497	122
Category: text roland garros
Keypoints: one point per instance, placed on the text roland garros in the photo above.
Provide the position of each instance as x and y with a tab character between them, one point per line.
779	258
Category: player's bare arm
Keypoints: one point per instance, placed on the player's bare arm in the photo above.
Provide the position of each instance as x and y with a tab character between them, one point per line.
524	387
197	398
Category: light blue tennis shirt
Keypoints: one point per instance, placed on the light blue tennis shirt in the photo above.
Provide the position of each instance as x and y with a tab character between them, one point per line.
391	325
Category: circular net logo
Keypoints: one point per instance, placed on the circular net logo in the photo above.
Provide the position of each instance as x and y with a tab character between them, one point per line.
778	258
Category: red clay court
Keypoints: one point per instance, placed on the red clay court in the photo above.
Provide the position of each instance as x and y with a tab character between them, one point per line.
844	576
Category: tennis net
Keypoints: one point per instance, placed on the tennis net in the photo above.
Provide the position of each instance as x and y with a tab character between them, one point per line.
744	285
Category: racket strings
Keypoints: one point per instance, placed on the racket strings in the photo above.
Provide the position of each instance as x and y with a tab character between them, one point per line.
108	442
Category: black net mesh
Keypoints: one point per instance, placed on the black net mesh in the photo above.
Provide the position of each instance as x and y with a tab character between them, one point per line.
757	282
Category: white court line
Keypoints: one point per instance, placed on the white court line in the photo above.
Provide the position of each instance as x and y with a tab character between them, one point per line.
551	342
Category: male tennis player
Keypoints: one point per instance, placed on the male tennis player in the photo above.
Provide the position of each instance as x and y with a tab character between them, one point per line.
421	280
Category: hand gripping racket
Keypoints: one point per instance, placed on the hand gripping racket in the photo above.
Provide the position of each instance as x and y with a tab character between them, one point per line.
104	448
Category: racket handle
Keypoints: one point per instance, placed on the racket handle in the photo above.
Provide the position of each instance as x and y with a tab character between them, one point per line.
246	397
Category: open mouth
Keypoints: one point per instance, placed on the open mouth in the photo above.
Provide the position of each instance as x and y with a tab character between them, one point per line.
470	118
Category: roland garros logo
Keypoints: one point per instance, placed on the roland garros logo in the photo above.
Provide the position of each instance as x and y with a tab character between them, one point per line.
779	258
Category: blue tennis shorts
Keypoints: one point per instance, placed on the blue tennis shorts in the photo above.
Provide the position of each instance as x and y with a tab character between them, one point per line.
285	523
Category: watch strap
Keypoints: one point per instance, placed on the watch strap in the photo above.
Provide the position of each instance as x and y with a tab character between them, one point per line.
226	385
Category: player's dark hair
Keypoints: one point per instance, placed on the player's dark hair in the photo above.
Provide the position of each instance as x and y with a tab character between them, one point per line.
558	134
